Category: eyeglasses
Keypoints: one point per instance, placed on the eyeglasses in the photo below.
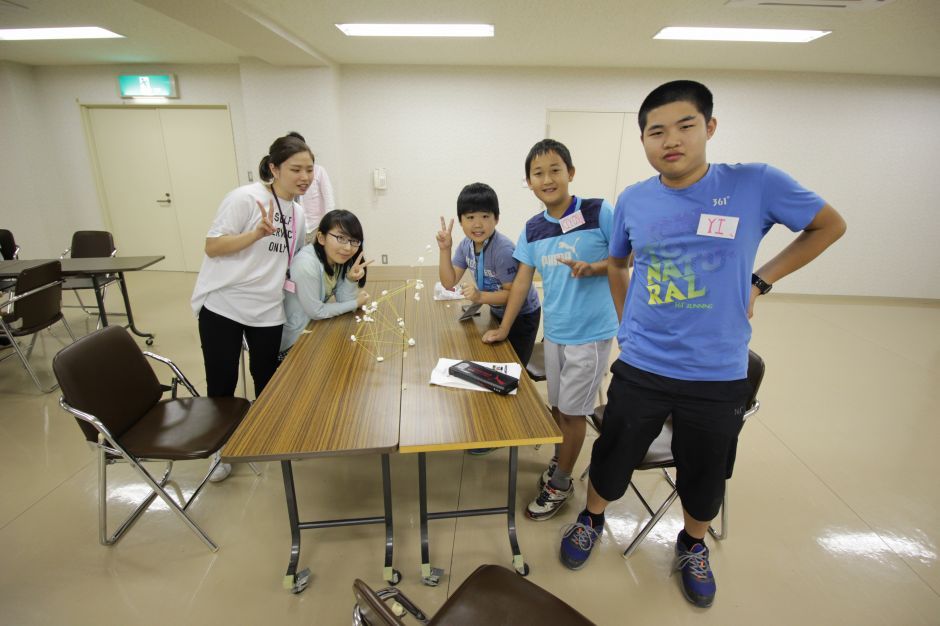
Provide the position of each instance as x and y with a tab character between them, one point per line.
344	241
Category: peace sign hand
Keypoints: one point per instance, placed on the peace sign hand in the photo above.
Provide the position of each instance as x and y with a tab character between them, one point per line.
266	226
444	239
358	269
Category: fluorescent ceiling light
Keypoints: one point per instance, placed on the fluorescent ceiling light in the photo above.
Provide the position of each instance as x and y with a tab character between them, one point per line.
740	34
75	32
417	30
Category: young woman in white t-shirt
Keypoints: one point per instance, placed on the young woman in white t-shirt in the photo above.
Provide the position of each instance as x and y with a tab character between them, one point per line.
249	247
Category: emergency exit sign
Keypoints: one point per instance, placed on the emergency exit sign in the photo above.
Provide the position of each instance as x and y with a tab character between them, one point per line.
137	86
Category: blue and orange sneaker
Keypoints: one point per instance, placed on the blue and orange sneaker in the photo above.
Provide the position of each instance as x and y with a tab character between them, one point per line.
577	541
698	582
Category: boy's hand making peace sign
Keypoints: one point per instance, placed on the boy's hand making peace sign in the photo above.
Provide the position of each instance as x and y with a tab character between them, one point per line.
444	239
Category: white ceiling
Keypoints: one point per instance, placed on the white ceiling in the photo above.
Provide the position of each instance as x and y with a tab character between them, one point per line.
901	37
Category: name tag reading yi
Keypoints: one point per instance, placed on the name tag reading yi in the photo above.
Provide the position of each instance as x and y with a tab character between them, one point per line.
570	222
722	226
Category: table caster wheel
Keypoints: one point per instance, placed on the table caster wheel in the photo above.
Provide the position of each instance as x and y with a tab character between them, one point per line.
524	570
432	577
392	576
298	582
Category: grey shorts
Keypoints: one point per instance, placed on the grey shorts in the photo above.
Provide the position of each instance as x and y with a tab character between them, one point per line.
574	373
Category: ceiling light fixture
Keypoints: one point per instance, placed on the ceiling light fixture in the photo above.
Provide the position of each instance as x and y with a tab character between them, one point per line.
417	30
764	35
72	32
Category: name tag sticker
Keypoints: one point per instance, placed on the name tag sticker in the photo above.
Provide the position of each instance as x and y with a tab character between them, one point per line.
722	226
290	286
570	222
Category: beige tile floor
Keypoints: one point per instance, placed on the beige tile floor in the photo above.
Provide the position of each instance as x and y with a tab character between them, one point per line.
835	513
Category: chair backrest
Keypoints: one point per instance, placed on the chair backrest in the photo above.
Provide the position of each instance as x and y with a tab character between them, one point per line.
43	308
8	247
755	375
92	243
105	374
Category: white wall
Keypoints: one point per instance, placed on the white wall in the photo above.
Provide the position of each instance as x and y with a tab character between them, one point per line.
25	165
867	144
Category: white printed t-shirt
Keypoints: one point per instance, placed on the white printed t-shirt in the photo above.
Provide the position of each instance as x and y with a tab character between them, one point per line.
248	286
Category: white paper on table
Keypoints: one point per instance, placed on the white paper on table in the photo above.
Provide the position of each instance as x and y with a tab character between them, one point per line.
440	375
445	294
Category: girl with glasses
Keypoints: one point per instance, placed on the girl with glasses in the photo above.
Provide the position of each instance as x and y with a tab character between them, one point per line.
333	266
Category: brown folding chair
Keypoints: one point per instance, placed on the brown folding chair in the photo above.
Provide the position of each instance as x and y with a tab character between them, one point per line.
659	456
9	251
110	388
88	244
8	248
35	304
491	595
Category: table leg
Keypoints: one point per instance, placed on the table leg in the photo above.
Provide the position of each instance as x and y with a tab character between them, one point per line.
127	309
99	296
389	573
518	562
292	580
430	576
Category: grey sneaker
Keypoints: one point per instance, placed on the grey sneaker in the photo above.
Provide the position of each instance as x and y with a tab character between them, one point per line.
548	502
546	476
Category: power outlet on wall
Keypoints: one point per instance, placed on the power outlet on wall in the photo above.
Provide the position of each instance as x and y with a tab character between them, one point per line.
384	259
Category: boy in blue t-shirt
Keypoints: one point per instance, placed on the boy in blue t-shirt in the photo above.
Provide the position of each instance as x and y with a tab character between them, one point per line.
568	244
485	259
693	232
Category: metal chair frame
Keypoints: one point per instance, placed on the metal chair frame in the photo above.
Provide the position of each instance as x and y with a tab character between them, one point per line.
7	331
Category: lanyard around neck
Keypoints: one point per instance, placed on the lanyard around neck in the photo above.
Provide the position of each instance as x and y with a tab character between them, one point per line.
481	276
289	242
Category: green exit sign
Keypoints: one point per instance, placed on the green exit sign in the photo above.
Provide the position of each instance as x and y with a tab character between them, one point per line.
137	86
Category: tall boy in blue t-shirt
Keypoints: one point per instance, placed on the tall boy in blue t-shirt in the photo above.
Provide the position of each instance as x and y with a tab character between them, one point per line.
568	244
694	232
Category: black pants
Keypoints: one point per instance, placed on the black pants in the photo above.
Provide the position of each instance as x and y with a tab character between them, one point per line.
522	334
221	340
706	419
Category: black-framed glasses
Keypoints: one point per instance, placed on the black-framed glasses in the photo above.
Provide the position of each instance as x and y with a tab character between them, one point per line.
343	240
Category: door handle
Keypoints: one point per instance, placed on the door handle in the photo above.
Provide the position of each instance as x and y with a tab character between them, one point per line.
166	201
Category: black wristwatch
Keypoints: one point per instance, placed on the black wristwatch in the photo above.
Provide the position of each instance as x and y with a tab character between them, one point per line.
762	285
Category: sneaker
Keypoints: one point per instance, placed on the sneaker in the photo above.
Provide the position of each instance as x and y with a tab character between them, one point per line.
479	451
577	541
546	476
548	502
698	582
221	471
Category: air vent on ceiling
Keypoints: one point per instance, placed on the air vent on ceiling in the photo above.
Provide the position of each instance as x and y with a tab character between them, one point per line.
852	5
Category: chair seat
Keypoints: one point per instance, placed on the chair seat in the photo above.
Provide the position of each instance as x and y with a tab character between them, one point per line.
185	428
494	595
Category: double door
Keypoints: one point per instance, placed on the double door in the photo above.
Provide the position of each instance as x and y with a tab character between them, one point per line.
161	174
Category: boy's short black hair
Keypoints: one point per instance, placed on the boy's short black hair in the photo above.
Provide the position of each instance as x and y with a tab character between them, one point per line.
677	91
477	198
544	147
